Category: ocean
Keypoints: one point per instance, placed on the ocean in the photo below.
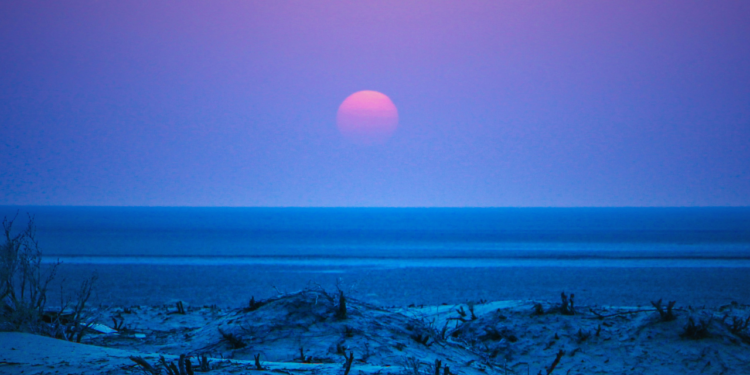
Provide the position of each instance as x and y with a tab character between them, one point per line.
398	256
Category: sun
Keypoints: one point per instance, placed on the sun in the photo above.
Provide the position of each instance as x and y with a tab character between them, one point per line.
367	118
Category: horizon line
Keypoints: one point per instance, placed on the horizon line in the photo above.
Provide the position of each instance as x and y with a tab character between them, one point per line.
351	207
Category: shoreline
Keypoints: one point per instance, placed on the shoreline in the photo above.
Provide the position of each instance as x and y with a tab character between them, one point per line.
233	285
427	262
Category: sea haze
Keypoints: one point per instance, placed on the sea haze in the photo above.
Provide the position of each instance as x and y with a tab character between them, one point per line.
408	254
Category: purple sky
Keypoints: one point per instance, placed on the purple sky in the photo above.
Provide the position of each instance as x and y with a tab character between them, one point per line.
501	103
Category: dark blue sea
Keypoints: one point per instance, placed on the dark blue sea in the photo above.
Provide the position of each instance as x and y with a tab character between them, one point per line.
399	256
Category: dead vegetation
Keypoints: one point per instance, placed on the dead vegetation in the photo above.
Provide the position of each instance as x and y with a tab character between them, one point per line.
183	366
145	365
23	289
567	307
235	341
411	365
738	327
492	333
204	363
72	320
118	323
538	309
348	363
421	338
554	363
303	330
341	313
23	283
302	358
462	314
697	331
81	319
582	335
348	331
253	305
666	316
180	308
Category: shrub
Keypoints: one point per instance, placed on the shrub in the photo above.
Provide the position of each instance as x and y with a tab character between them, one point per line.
235	342
696	331
23	283
567	308
666	316
23	289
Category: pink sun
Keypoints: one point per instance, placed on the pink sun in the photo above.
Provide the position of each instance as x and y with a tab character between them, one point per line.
367	117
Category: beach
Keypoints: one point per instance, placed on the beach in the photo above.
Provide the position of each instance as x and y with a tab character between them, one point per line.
308	332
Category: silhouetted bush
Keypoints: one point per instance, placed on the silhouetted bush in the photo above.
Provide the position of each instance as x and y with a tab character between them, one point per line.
23	284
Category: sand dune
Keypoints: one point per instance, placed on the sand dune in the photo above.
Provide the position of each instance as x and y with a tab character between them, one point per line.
308	332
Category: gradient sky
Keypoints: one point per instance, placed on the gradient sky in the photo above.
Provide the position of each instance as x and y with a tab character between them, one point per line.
501	103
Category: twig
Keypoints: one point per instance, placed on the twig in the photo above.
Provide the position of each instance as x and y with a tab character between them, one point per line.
145	365
203	363
348	364
554	364
257	362
602	317
342	305
665	316
180	308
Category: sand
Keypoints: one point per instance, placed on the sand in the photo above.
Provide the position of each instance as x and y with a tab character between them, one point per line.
307	333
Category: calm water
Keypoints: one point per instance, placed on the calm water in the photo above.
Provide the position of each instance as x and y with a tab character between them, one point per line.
400	256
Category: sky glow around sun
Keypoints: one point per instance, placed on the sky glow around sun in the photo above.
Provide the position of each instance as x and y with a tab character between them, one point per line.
550	103
367	117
